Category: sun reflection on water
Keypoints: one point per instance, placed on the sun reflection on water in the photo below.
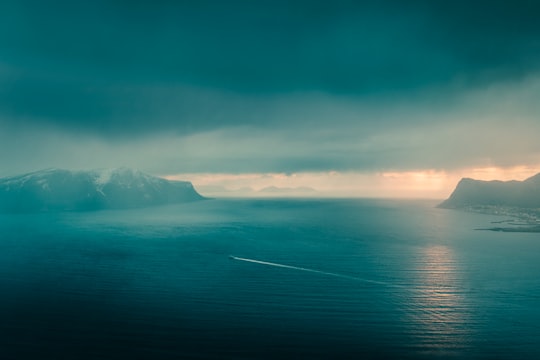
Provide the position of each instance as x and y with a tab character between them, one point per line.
438	308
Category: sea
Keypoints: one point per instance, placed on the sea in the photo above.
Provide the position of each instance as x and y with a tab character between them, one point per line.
268	279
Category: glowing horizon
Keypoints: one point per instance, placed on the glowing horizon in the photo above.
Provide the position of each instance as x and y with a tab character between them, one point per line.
430	184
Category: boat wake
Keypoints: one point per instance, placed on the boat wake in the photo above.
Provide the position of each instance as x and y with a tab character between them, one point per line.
343	276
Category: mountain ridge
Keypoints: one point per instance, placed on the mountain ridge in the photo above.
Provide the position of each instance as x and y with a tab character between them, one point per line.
470	193
82	190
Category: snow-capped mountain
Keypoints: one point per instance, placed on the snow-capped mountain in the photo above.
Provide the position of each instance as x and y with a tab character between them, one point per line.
56	189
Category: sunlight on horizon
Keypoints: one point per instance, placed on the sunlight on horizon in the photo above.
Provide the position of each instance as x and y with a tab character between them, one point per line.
430	184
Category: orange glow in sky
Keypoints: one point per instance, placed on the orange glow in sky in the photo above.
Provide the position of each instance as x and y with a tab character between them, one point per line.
396	184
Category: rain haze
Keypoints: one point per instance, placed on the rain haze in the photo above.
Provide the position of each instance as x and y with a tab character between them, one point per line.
347	98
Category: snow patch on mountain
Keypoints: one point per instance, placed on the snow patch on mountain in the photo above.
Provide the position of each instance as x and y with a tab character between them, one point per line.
103	177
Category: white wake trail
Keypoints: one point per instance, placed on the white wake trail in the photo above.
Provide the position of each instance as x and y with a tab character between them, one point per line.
314	271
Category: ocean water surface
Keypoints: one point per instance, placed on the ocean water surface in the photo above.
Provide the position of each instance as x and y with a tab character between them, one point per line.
254	279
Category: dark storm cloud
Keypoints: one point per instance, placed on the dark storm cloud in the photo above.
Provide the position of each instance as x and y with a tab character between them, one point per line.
127	67
268	86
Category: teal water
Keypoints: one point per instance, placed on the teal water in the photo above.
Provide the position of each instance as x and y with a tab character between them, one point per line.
248	279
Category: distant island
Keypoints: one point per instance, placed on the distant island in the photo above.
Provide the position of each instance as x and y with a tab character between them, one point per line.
266	192
64	190
302	190
517	199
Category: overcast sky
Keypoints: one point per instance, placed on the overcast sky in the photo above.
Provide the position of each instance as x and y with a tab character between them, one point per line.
245	87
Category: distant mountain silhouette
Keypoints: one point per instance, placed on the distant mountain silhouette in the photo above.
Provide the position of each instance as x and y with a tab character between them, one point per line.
63	190
470	193
287	190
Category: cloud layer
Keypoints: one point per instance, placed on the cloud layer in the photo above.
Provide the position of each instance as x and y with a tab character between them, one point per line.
281	86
